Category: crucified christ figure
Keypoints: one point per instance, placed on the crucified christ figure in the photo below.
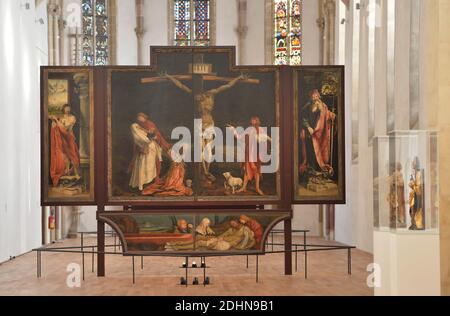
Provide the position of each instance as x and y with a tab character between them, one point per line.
205	102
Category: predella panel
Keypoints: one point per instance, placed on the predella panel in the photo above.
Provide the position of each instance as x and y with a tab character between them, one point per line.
216	232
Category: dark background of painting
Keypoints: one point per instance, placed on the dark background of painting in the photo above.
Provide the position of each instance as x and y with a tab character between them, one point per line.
166	105
170	107
308	81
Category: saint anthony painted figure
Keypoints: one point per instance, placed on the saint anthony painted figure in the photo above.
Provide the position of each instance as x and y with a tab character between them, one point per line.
65	157
317	124
416	197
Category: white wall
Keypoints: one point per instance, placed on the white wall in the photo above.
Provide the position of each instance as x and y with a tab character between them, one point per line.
155	25
345	214
226	23
126	36
311	33
23	49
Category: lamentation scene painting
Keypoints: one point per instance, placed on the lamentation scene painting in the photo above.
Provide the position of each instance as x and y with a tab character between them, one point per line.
215	232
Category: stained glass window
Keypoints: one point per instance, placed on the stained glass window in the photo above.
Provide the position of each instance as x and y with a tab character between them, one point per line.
192	22
288	32
95	44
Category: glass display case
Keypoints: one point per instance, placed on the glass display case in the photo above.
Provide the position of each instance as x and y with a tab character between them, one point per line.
406	182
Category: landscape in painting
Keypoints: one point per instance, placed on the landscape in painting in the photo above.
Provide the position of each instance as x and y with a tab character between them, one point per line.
69	148
319	141
227	114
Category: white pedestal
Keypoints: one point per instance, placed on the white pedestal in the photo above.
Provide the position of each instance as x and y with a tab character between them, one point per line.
409	262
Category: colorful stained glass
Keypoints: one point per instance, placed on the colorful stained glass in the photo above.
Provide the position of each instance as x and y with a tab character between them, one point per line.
288	32
192	22
182	22
88	32
95	33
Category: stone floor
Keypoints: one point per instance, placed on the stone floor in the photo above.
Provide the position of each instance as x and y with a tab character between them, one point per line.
327	275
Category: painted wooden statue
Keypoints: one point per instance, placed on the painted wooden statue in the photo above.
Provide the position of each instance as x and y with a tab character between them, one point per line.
416	197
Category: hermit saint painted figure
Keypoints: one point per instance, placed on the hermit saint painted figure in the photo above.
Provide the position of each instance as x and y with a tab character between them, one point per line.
416	197
65	158
316	134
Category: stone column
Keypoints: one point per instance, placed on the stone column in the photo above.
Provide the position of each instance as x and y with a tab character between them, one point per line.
54	14
112	32
242	30
139	30
269	32
82	82
327	25
75	212
436	81
327	22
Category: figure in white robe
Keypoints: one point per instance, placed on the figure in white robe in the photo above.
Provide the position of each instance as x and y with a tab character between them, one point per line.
146	160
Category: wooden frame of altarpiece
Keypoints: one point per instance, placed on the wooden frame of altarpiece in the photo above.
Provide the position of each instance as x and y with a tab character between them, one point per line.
104	102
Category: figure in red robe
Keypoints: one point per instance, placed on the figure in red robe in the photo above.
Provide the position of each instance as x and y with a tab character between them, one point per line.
64	154
315	135
255	144
145	166
149	144
254	226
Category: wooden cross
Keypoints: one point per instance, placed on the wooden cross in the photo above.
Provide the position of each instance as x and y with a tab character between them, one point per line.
200	72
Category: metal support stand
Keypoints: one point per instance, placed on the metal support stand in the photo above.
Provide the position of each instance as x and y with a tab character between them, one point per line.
38	264
272	235
100	249
203	261
134	276
306	264
306	254
187	269
257	269
287	247
93	254
349	258
82	254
